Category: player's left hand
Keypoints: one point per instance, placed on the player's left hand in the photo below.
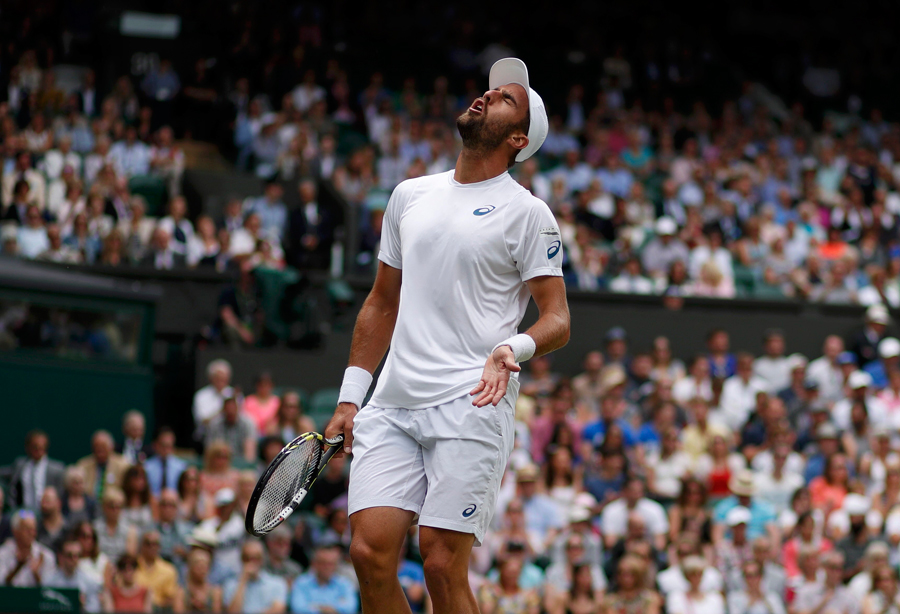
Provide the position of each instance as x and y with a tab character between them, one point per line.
495	377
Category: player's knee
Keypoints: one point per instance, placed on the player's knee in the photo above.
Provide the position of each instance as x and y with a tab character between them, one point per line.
369	560
442	569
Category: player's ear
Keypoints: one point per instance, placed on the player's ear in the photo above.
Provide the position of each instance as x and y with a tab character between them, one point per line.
518	140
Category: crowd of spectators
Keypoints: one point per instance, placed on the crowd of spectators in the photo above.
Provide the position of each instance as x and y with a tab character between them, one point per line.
723	483
748	198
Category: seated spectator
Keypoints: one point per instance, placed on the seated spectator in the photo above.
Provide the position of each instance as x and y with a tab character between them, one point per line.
630	279
58	251
240	320
667	467
195	503
227	524
217	471
235	428
874	559
273	214
830	595
541	513
138	229
33	472
93	562
311	230
712	283
513	531
689	511
167	160
162	254
278	550
130	156
163	468
173	532
695	598
208	400
289	421
68	574
123	593
140	508
24	562
114	537
754	596
76	505
506	595
261	406
256	591
14	196
200	595
158	575
614	519
762	518
52	524
133	447
883	596
204	247
828	490
561	576
631	592
32	236
103	467
178	227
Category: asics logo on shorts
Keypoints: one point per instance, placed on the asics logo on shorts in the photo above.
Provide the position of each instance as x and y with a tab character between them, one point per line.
484	210
554	249
469	510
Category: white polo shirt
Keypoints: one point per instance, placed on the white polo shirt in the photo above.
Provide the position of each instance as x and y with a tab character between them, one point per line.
465	251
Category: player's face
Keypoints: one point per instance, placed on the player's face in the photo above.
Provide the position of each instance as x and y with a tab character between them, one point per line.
491	119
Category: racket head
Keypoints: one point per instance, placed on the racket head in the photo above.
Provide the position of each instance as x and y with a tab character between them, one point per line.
287	480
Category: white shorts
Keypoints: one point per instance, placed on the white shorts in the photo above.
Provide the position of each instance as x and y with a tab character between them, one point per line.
443	463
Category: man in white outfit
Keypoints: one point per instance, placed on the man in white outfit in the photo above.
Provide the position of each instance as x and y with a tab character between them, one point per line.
470	246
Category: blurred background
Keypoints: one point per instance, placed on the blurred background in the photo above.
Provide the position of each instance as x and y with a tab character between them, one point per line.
191	205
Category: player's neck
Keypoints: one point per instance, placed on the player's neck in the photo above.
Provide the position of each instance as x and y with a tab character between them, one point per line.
473	166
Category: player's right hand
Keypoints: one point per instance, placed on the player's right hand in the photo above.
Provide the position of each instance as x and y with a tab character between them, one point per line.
342	422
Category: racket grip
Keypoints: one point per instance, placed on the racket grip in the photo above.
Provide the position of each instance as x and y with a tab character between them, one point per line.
334	441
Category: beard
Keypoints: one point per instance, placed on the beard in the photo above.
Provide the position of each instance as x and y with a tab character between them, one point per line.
480	135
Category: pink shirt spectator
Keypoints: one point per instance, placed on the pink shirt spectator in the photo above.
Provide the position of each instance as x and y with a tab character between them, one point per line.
261	411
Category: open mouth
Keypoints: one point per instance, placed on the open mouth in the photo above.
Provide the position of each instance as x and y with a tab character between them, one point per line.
477	106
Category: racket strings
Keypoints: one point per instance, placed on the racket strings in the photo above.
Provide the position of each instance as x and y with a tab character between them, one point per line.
295	472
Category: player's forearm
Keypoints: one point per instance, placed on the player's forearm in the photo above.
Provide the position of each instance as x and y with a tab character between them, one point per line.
550	332
373	332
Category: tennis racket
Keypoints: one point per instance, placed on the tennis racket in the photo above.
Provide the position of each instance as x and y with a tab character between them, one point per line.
287	479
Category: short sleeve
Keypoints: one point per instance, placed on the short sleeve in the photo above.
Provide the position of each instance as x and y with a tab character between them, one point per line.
390	252
533	238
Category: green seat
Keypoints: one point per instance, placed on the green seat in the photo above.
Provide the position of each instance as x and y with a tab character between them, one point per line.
322	404
272	284
767	292
744	280
152	189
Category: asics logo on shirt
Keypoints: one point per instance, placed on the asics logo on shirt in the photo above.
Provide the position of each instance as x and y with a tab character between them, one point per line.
469	510
553	249
484	210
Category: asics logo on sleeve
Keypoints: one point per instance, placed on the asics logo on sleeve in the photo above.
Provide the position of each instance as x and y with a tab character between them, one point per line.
484	210
469	510
553	249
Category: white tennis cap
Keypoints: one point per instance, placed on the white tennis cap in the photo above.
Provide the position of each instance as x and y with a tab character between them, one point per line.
513	70
889	347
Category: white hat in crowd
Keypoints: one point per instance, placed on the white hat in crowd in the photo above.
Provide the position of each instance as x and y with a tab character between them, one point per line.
859	379
889	347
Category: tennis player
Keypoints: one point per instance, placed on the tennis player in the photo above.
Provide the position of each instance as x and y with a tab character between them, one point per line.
461	252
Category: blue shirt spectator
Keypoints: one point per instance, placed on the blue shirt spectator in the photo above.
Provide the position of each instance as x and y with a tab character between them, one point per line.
761	513
321	586
164	468
271	210
254	591
412	574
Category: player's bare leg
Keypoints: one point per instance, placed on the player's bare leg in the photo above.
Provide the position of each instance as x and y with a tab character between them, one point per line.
377	536
446	560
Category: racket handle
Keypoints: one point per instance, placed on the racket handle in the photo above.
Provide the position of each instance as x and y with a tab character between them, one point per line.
335	441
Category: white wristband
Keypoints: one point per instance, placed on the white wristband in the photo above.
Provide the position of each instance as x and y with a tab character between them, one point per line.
355	386
522	345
